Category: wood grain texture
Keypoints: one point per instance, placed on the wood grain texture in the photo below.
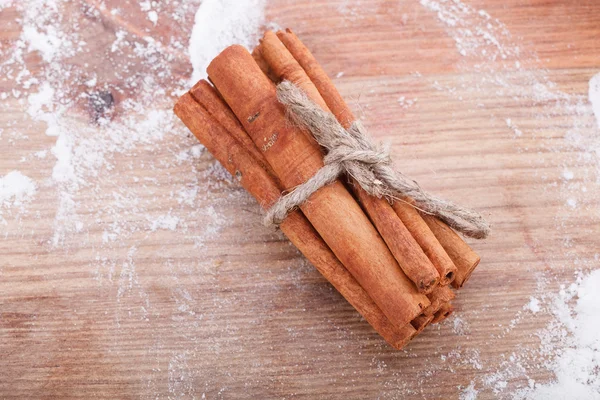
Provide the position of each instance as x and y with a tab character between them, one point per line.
224	308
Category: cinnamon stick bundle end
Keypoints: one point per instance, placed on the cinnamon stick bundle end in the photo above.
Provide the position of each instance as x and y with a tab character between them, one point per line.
402	337
461	279
421	322
438	297
465	259
444	312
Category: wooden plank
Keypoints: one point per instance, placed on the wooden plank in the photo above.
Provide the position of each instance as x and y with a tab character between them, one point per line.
224	308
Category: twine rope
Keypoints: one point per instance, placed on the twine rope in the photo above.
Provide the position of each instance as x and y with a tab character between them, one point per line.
352	152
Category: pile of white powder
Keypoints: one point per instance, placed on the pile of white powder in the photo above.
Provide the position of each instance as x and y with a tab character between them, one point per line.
594	95
574	343
220	23
16	189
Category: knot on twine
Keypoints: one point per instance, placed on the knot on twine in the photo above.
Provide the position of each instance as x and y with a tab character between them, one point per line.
352	152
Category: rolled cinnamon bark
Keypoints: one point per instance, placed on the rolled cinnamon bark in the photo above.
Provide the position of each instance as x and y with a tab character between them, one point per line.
206	95
402	244
331	210
459	252
283	66
439	296
258	57
421	322
443	313
411	258
427	240
318	76
236	158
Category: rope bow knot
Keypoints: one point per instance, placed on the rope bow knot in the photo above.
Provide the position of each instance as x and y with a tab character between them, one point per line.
352	152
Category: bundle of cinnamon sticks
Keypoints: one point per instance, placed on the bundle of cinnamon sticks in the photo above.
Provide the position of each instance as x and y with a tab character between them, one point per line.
392	263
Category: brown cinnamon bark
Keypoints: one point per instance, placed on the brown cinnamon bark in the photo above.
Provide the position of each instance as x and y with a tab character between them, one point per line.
443	313
236	158
284	66
331	210
421	322
427	240
260	61
411	258
206	95
438	297
318	76
459	252
406	250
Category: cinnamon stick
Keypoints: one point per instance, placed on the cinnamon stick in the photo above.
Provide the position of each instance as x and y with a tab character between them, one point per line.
438	297
260	61
283	66
206	95
402	244
421	322
411	258
426	239
318	76
331	210
443	313
458	251
236	158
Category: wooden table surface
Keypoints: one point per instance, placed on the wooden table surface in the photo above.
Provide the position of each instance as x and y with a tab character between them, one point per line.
152	277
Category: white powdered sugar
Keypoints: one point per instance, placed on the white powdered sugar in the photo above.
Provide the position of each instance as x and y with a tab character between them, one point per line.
594	96
16	190
218	24
153	17
570	348
469	393
165	222
533	305
123	183
94	121
48	43
574	343
474	31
